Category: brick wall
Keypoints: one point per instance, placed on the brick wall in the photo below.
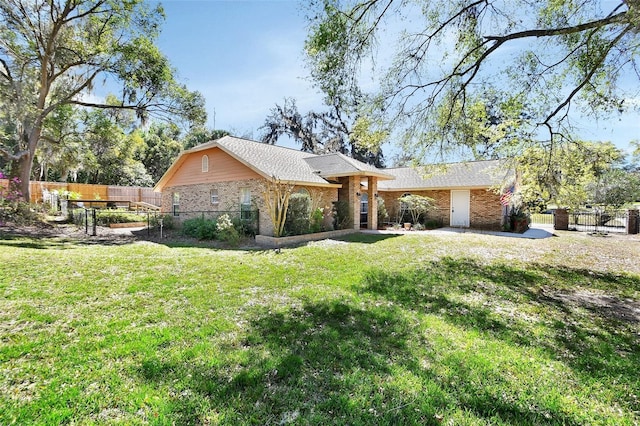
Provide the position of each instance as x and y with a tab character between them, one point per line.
442	200
485	210
197	198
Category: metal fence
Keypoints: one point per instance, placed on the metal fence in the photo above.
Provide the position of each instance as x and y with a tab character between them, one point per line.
610	221
545	219
597	221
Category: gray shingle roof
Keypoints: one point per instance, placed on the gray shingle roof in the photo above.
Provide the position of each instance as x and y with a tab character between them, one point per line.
473	174
336	164
282	163
289	164
295	166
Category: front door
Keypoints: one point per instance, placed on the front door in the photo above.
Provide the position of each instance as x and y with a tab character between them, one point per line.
460	208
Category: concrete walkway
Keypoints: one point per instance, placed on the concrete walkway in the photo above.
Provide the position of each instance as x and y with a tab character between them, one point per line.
537	232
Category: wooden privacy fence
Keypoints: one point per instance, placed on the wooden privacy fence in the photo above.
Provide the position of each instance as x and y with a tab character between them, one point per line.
94	192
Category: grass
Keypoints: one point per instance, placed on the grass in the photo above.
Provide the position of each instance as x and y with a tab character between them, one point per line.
418	329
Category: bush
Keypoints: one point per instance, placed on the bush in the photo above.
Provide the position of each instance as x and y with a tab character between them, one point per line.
246	227
12	207
107	217
226	230
200	228
342	217
383	215
317	217
167	221
297	222
432	224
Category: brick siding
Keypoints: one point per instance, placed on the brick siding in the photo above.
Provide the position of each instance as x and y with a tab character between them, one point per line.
485	210
197	198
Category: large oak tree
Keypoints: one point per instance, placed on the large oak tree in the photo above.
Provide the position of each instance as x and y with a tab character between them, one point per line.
55	52
555	58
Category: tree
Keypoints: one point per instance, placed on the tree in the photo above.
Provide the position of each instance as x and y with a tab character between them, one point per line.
325	132
416	205
161	148
53	53
563	177
615	188
113	151
276	195
200	134
62	147
551	55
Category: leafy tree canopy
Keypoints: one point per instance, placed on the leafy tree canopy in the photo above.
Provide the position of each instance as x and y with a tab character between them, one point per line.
54	52
568	175
326	132
550	58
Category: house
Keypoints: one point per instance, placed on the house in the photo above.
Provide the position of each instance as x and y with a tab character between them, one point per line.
229	174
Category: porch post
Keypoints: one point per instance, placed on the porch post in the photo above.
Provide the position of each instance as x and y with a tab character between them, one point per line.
561	219
354	200
632	222
372	212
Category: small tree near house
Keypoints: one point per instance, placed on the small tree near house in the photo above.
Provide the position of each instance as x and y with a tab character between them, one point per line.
417	205
276	194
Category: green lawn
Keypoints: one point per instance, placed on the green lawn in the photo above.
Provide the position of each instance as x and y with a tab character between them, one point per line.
418	329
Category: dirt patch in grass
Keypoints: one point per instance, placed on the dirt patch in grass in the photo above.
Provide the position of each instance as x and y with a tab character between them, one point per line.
626	310
64	231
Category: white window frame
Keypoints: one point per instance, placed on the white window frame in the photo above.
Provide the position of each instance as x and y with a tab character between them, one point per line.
205	163
215	199
175	204
245	196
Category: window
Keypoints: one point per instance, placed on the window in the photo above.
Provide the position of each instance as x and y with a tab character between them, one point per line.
176	204
245	203
364	203
245	197
205	163
214	196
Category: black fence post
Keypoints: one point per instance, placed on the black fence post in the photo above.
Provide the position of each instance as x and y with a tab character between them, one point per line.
93	213
86	221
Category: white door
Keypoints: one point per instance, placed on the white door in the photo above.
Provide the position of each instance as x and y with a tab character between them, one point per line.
460	208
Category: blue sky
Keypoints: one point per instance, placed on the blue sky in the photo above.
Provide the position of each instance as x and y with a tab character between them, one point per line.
245	56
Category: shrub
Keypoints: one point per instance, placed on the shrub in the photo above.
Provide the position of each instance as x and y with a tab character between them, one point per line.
107	217
167	221
12	207
317	217
432	224
226	230
200	228
383	215
342	217
246	227
297	222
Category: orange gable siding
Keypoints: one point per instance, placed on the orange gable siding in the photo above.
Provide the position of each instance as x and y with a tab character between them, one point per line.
222	168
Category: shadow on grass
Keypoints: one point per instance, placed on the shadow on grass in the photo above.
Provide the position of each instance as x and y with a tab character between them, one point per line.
333	363
366	238
324	363
59	242
587	322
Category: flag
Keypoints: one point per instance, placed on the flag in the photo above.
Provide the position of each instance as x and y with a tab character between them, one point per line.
505	198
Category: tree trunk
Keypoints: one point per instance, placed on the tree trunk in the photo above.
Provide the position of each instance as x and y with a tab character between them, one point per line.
21	168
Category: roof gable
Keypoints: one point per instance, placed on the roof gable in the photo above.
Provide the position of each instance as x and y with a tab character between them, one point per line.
336	164
303	168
